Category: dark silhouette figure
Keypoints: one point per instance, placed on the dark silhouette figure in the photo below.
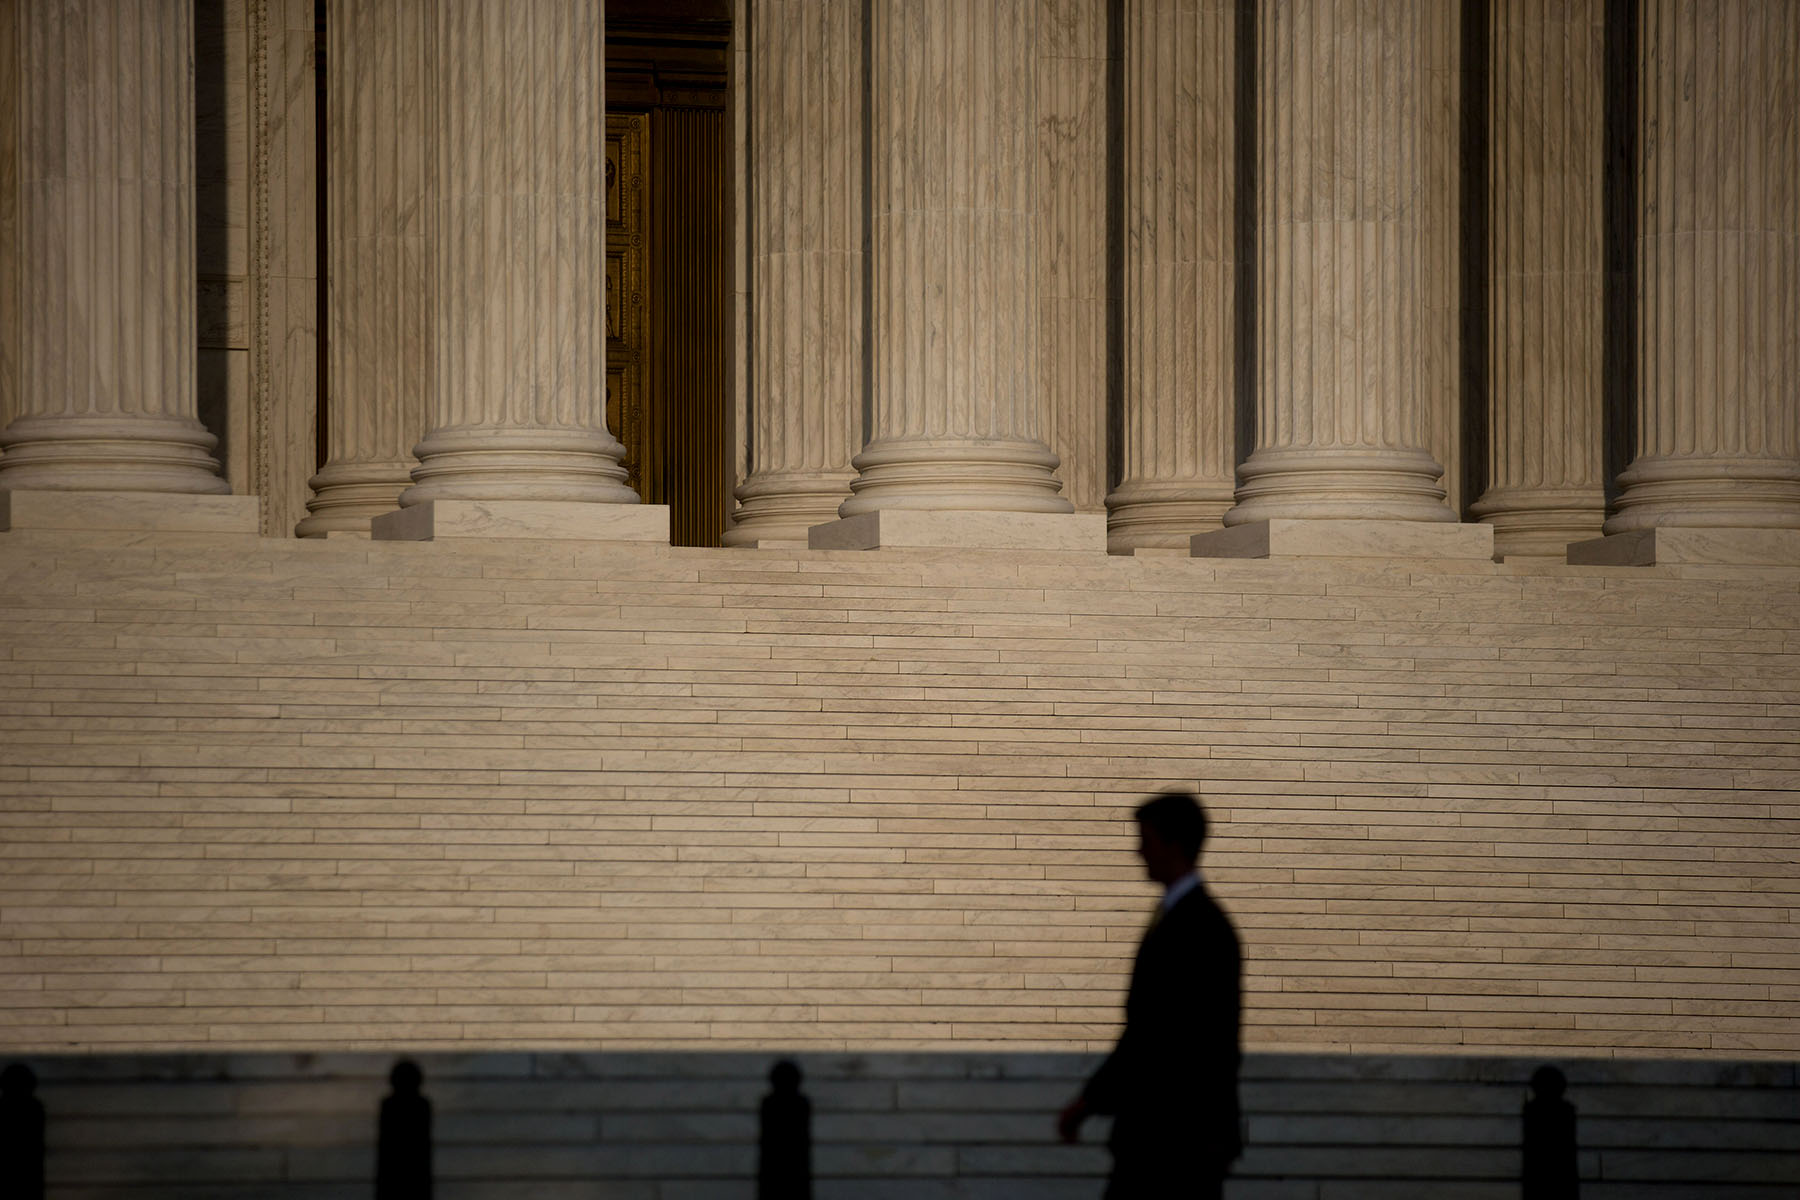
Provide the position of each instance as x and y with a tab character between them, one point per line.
21	1134
784	1161
1171	1081
1550	1169
403	1155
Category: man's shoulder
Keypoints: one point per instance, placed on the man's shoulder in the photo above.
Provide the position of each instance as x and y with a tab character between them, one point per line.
1199	914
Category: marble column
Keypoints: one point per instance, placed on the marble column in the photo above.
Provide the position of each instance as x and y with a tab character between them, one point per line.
1340	436
1546	273
956	455
806	155
1180	247
375	246
518	444
107	391
1718	265
1441	156
1073	161
9	212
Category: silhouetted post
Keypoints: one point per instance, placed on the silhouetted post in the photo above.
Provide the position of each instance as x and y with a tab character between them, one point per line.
403	1155
21	1134
1550	1169
784	1167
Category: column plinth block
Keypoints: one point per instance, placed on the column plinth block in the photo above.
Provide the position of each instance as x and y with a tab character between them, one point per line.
1346	539
564	520
1685	544
142	512
901	528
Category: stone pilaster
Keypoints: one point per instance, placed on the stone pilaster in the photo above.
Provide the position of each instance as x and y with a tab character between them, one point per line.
517	272
1071	242
1546	276
376	247
107	393
953	241
1180	297
806	155
1718	264
1340	434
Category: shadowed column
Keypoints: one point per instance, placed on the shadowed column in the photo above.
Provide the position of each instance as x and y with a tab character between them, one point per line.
1340	433
375	245
956	457
107	315
1716	475
1180	317
518	444
807	301
1545	403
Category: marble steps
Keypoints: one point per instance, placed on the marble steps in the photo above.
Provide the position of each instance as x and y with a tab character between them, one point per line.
339	794
662	1126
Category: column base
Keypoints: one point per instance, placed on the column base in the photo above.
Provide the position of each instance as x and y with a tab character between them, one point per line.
563	520
138	512
961	529
1325	538
347	496
775	510
1674	545
1163	515
1540	523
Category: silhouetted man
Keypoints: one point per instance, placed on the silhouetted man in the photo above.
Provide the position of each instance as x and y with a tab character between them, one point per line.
21	1134
1171	1082
784	1158
403	1152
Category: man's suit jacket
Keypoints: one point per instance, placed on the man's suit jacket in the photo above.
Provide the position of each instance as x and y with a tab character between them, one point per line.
1171	1082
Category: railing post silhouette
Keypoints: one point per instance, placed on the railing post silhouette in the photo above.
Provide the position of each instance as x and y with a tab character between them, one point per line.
1550	1168
21	1134
784	1163
403	1153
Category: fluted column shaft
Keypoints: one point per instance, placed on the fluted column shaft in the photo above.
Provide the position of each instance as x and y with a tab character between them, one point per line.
1442	166
518	256
1718	262
953	127
1546	276
1339	432
107	271
806	159
1073	279
1180	295
375	250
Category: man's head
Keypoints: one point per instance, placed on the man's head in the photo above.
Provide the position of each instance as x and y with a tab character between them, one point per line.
1171	830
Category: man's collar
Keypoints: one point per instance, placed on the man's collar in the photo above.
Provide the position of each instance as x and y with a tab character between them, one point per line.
1179	888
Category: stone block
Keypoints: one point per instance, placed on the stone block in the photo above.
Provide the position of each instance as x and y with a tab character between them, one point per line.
562	520
1672	545
1289	538
903	528
150	512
